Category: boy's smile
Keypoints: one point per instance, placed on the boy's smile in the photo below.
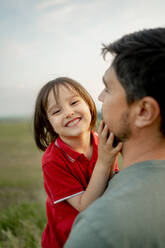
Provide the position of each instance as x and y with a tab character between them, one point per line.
73	122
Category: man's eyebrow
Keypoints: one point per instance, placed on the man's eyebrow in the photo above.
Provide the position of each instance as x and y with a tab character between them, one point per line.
104	82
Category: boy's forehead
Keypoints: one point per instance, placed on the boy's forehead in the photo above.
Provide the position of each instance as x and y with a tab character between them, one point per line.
69	89
58	92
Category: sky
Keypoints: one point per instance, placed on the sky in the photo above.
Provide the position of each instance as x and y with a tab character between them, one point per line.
44	39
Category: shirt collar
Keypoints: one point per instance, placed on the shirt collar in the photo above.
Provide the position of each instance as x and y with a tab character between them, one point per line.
73	155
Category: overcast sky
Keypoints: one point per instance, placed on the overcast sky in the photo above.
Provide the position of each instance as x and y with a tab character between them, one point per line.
44	39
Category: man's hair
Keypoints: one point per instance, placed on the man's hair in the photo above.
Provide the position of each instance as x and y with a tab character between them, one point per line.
139	63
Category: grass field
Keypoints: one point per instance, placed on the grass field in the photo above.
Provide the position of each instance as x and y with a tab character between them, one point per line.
22	199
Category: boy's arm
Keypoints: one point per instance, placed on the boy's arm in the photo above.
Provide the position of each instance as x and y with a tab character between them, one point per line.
102	172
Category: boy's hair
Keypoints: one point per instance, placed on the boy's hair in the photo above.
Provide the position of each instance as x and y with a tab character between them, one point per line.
43	131
139	63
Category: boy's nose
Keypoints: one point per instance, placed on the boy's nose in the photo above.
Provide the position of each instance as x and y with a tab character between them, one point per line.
69	112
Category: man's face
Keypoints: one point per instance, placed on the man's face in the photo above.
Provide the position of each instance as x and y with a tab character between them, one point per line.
115	109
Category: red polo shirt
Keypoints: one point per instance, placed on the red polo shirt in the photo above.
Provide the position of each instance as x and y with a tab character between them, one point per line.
66	174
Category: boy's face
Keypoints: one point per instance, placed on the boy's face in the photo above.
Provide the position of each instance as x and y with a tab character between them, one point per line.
115	109
70	116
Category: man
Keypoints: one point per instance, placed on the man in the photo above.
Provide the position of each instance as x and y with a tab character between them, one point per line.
131	213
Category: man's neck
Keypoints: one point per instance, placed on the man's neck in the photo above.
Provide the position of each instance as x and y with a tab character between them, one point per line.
143	148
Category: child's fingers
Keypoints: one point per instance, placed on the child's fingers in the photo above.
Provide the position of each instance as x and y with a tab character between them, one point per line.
110	142
101	126
110	139
104	133
118	148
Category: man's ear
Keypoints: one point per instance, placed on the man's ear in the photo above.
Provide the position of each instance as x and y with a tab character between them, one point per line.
147	111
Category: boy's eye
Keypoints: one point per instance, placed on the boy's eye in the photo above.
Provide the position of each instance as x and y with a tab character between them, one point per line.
56	112
74	102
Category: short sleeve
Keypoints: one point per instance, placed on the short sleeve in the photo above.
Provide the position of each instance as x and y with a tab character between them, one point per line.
59	182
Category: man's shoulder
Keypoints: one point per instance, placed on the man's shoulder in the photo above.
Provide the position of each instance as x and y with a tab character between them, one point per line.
130	198
126	211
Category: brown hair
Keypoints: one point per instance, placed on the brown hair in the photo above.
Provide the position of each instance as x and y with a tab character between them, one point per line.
43	131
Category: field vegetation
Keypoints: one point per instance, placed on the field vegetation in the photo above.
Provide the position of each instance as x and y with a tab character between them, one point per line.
22	199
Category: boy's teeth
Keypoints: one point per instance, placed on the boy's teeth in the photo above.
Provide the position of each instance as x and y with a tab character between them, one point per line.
73	123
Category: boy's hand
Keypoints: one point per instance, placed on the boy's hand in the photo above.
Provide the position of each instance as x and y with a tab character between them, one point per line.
106	152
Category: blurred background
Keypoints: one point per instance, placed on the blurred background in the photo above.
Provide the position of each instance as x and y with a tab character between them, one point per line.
44	39
39	41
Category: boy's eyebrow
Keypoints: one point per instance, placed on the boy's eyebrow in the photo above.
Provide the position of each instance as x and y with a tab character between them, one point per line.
58	105
52	107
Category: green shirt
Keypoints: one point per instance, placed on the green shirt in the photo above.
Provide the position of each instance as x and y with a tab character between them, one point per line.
131	212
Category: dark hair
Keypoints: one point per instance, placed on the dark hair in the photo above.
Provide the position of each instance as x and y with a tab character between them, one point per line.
139	63
43	131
